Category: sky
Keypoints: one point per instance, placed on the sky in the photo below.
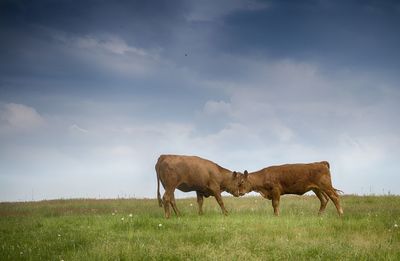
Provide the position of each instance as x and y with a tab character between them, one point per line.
92	92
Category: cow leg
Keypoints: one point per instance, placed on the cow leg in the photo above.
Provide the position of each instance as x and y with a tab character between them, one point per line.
167	202
166	205
173	204
275	202
323	198
335	198
200	202
217	194
221	203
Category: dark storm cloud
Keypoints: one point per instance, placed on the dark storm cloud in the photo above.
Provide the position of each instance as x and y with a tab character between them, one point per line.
86	48
342	33
70	47
153	19
25	28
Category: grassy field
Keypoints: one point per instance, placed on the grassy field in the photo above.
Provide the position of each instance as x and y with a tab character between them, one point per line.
134	229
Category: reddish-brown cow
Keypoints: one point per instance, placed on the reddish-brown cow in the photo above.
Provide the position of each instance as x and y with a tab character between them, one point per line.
191	173
274	181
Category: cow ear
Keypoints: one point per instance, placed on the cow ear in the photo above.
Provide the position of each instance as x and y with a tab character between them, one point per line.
234	174
246	173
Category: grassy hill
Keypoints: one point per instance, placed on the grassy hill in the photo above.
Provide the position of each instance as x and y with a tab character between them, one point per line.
134	229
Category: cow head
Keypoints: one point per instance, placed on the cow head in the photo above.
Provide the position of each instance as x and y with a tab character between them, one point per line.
244	184
233	185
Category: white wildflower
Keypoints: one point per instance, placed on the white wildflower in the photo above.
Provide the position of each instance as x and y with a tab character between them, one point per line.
160	225
395	225
122	219
130	215
191	204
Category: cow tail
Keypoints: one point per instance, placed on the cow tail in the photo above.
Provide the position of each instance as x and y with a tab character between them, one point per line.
160	203
338	191
158	192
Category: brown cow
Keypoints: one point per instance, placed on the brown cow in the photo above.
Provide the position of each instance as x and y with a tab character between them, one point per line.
274	181
191	173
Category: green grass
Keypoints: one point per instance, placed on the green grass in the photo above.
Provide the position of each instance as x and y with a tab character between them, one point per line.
88	230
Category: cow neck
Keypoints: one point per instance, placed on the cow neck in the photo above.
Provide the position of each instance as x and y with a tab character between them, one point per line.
255	178
226	173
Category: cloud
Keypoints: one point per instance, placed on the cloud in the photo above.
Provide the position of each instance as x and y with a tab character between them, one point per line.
217	107
272	113
118	156
110	43
19	117
360	153
106	52
292	111
76	128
